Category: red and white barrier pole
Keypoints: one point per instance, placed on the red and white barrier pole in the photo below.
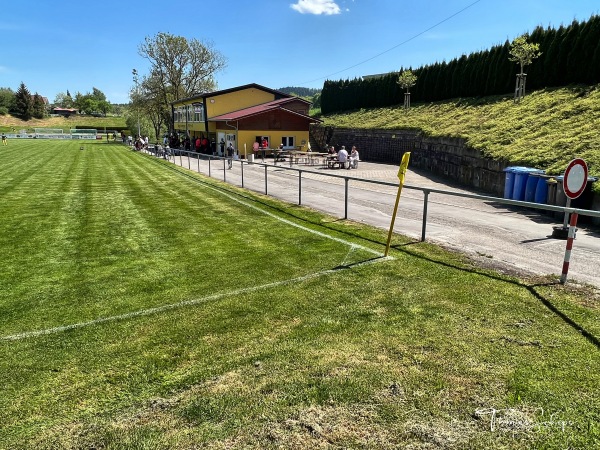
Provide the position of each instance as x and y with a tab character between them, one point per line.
572	228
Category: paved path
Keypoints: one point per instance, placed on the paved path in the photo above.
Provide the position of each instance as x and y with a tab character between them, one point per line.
508	238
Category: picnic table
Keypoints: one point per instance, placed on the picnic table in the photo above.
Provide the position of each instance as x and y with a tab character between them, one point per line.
280	154
299	157
331	161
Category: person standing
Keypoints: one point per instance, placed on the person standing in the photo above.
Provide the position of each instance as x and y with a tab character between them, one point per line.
230	151
222	147
4	140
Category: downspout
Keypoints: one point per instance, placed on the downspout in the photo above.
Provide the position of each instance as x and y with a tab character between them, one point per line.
205	116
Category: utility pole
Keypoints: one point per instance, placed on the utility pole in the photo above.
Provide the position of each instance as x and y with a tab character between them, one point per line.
135	80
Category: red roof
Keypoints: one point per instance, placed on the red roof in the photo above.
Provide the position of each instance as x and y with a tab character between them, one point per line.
261	109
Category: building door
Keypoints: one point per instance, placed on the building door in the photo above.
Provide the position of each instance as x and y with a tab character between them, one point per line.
221	137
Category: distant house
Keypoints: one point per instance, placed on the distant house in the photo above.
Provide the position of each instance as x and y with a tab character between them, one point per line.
245	115
65	112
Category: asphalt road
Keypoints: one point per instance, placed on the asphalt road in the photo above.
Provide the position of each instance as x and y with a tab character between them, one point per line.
508	238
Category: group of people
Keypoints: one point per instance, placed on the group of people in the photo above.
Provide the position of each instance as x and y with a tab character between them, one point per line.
141	142
350	160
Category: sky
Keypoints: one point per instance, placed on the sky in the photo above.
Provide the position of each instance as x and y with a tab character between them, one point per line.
55	46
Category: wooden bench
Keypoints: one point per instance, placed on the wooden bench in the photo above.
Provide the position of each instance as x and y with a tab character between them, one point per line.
332	164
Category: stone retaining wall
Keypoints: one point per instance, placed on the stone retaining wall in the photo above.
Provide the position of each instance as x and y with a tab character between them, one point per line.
449	157
445	156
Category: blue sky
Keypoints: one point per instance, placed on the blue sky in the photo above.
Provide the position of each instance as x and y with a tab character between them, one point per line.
79	45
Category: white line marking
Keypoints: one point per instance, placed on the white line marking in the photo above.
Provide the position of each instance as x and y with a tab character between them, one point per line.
281	219
159	309
289	222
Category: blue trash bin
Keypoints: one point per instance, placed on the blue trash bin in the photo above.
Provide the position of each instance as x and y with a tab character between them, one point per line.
541	190
509	180
521	177
532	183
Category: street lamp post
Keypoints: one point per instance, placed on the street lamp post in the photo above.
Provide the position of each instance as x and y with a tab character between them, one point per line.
135	80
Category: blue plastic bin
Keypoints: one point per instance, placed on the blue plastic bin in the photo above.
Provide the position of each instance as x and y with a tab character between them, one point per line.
541	190
531	184
509	180
521	177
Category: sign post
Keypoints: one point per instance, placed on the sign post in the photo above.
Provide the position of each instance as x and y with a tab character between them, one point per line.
401	173
574	183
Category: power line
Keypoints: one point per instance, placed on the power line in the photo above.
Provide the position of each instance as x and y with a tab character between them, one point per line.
396	46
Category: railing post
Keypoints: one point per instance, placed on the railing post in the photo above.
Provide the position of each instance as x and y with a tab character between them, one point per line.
189	162
346	198
224	170
198	162
266	184
424	225
208	167
242	166
299	187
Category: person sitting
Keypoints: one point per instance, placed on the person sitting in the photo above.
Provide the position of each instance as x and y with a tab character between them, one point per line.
354	158
343	157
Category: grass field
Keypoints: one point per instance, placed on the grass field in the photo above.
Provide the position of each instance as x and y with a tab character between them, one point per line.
144	306
8	123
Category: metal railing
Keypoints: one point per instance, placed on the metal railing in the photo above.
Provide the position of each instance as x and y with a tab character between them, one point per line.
172	155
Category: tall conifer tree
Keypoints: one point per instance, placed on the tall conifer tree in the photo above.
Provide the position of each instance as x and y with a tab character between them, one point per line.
23	103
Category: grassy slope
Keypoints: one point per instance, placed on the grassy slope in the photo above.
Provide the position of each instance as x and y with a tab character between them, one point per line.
546	130
7	123
410	353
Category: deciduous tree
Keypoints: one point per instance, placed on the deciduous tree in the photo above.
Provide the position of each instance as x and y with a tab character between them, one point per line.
406	80
180	67
7	100
38	106
523	53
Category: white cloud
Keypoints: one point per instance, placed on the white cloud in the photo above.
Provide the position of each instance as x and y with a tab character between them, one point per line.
327	7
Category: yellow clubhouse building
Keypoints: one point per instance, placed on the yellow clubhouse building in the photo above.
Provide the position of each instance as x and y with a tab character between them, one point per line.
244	115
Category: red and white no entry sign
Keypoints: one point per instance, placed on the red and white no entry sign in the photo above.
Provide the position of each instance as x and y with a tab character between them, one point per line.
575	178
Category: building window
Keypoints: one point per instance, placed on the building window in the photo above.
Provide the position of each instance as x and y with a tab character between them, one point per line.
198	112
287	141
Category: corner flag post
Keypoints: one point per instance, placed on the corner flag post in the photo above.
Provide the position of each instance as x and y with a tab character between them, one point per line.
401	174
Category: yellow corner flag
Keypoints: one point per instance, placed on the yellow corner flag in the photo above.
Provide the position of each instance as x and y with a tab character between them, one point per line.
401	174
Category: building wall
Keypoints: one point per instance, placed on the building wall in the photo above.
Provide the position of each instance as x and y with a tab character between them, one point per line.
236	100
297	106
222	104
274	125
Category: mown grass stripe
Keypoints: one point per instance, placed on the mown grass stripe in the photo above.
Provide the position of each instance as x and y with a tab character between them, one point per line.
159	309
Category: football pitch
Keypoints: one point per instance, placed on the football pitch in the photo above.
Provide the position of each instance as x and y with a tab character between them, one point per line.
145	306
